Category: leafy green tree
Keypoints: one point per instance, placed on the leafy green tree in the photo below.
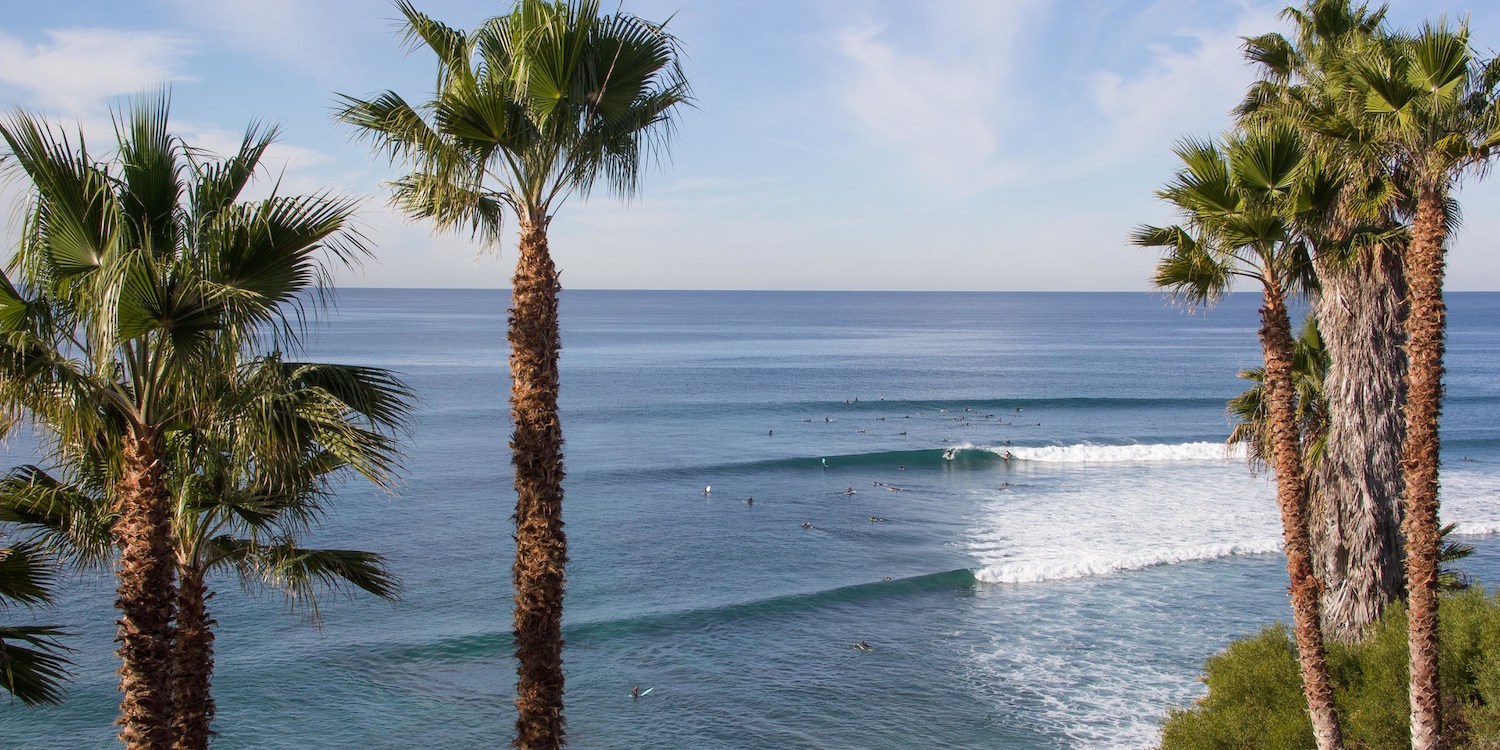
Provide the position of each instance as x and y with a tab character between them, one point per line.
547	101
1434	108
131	273
1241	199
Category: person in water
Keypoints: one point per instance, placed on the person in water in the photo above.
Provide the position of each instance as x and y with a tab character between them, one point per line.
635	692
862	646
849	491
807	524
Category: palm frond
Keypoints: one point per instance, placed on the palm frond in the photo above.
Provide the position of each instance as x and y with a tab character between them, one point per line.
32	667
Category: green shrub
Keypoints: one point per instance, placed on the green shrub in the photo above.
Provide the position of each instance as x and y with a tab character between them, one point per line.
1255	701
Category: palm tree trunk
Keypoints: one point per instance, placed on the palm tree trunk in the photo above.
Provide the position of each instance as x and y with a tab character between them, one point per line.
194	665
1419	462
144	596
1356	487
1291	496
541	546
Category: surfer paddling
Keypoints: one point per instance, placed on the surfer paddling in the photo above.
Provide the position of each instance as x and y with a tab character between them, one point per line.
862	646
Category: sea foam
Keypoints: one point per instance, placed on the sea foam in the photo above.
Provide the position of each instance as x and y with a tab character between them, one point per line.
1085	565
1086	453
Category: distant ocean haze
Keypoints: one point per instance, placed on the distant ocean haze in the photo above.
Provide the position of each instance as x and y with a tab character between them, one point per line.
1041	477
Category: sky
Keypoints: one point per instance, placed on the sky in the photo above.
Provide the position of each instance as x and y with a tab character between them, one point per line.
832	144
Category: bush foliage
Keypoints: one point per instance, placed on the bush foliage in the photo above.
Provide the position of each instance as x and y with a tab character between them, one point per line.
1255	701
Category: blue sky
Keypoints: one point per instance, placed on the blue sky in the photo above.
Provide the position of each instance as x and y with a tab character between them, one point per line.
835	144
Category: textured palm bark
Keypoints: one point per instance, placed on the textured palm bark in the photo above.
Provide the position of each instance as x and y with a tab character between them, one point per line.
1419	463
194	664
144	597
1291	497
1356	488
541	546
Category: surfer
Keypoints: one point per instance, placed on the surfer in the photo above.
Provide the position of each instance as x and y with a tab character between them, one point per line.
749	501
1005	456
876	519
708	490
807	524
770	432
862	646
825	463
849	491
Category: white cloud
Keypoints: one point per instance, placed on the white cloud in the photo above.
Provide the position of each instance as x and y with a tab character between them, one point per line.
1185	89
312	36
78	69
937	107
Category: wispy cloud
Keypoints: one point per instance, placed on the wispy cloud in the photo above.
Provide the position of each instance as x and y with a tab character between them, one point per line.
1186	88
75	71
312	36
935	103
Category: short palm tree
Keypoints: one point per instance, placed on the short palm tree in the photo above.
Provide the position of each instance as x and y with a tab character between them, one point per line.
32	665
249	485
530	108
129	273
246	485
1240	200
1250	409
1434	108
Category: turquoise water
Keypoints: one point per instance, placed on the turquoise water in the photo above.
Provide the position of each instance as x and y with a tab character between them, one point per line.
1063	597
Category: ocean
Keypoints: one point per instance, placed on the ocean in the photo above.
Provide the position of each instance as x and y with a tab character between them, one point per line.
1020	501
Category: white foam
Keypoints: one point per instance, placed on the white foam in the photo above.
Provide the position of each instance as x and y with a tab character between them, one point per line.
1476	529
1086	565
1085	453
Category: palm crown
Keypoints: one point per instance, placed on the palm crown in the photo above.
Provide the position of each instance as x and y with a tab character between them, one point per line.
529	107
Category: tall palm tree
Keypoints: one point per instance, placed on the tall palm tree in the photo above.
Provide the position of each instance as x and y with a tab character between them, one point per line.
530	108
1434	105
32	665
128	271
1240	200
1356	483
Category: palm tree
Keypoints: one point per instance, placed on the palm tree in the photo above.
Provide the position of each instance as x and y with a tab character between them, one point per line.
530	108
1356	482
32	666
245	487
1252	420
1435	111
249	486
128	271
1240	200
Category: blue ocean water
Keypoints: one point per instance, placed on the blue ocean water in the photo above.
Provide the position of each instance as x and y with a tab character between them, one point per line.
1063	596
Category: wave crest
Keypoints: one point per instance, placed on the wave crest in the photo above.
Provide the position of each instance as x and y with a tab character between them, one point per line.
1086	567
1085	453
